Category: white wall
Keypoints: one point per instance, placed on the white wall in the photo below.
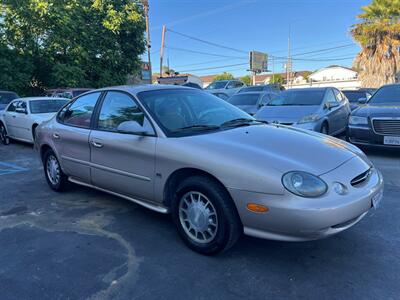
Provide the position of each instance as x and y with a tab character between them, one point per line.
339	84
333	74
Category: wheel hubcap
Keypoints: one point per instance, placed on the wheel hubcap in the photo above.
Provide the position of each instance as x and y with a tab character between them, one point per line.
53	170
198	217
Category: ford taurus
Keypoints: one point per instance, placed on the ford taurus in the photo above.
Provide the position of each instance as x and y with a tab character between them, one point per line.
217	170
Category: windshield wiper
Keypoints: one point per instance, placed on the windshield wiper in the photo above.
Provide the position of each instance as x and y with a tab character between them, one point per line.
197	127
238	122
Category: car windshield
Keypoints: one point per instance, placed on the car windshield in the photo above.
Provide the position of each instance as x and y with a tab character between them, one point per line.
217	85
298	98
186	112
244	99
7	97
386	94
354	96
256	88
45	106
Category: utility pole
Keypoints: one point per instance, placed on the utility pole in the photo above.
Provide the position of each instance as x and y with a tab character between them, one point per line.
164	29
146	14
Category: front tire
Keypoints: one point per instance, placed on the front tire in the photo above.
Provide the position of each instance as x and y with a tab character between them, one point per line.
55	177
3	135
205	216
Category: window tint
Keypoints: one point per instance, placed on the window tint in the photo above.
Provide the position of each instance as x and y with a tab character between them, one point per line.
339	96
299	98
12	106
386	94
244	99
330	97
7	97
231	85
117	108
79	113
46	106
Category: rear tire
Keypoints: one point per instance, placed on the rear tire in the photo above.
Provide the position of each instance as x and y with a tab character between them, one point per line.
3	135
55	177
205	216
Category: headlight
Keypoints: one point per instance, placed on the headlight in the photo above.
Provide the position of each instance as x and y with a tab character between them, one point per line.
304	184
354	120
309	119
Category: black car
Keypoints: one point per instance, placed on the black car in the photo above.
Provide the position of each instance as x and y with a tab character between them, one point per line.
354	96
271	88
6	97
377	123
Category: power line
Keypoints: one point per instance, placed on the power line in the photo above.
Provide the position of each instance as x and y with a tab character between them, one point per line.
204	53
207	62
212	68
326	49
207	42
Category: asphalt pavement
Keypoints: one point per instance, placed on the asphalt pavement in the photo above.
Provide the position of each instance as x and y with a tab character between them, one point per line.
84	244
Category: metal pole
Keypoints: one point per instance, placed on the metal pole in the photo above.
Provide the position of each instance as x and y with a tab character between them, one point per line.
164	29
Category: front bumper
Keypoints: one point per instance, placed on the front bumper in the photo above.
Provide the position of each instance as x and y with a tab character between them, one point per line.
364	135
293	218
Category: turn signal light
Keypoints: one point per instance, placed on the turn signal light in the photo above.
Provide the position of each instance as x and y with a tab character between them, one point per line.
257	208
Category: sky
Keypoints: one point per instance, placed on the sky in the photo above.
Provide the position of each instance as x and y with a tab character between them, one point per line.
319	33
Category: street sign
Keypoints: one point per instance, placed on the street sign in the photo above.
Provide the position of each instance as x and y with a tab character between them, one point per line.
258	62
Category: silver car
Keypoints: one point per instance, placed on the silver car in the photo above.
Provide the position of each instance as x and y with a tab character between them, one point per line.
324	110
217	170
225	88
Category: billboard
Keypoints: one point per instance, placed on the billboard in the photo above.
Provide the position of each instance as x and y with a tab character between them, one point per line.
258	61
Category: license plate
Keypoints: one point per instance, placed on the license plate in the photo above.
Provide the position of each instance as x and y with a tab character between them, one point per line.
391	140
376	200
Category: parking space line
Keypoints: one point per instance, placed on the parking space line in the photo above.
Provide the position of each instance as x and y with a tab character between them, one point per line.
7	168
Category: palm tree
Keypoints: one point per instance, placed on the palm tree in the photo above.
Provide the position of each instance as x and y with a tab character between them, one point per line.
378	34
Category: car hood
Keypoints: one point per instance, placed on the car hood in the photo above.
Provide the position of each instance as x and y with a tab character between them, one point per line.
250	109
383	110
279	147
285	114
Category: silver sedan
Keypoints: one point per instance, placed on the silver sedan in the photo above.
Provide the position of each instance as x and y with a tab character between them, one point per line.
217	170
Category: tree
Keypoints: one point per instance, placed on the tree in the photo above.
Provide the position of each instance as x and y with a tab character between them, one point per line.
379	37
223	76
246	79
75	43
277	79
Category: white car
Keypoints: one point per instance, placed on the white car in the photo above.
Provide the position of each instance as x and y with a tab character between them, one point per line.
21	117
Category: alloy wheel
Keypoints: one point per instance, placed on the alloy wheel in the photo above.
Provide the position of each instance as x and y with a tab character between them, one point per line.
53	170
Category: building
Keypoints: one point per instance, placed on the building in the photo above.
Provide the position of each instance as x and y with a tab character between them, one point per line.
335	76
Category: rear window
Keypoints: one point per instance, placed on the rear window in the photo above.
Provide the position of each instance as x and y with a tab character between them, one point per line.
252	89
7	97
244	99
46	106
354	96
386	94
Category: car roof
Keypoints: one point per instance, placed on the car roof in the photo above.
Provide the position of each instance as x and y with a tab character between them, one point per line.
252	93
308	89
40	98
135	89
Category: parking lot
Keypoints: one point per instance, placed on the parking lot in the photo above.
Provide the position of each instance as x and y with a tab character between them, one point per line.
87	244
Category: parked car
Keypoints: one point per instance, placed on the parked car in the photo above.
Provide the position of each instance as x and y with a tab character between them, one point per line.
251	102
217	170
5	98
272	88
225	87
355	95
22	116
67	93
324	110
378	122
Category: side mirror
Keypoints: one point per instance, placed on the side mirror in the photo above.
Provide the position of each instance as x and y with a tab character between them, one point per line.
21	110
362	100
133	127
330	105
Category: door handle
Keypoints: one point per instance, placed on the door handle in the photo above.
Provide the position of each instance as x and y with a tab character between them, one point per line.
96	144
56	136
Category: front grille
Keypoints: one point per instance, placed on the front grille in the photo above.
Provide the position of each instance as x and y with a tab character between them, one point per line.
361	178
387	126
